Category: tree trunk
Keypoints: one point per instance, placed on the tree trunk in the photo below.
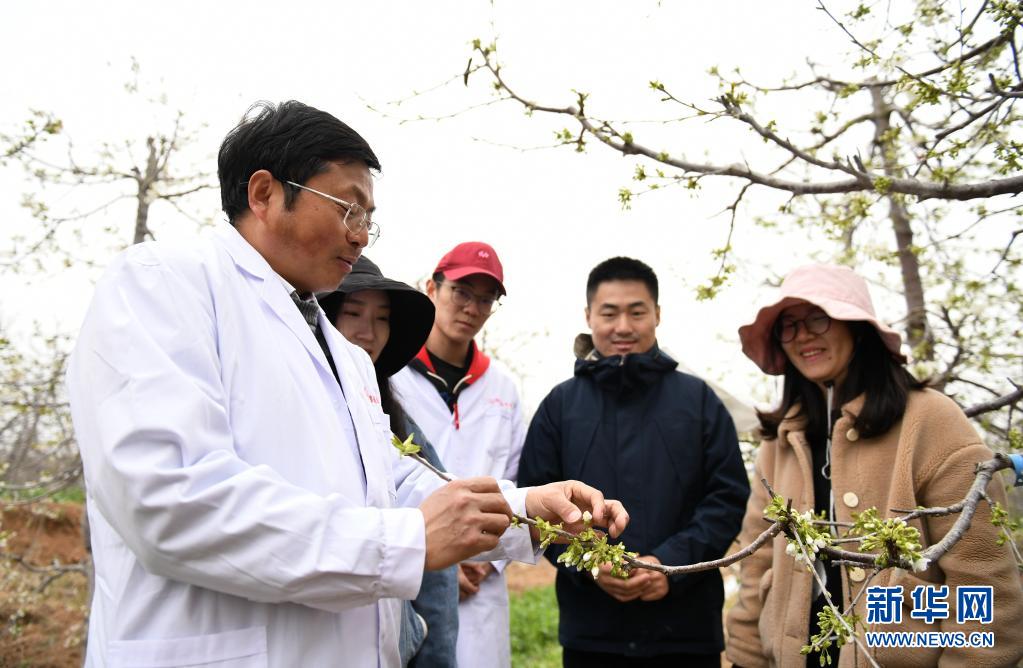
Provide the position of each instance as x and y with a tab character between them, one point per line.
145	184
918	332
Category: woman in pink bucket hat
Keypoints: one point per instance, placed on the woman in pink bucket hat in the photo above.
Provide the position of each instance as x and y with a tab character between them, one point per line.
855	430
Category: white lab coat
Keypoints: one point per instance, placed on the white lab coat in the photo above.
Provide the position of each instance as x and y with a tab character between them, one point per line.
487	441
235	520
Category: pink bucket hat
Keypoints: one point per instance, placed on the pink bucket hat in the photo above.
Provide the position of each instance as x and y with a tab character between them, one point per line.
838	291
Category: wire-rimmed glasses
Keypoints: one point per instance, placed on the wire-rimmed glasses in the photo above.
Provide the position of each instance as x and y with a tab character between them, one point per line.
356	218
462	297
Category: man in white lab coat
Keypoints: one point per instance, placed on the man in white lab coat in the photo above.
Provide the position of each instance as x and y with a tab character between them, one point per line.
243	495
469	408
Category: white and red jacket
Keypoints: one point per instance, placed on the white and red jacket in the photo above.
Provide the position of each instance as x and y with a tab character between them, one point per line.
480	435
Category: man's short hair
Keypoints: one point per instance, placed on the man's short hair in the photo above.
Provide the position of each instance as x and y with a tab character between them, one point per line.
292	141
620	269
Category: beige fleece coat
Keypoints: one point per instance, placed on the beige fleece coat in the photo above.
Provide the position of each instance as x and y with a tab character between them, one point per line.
927	459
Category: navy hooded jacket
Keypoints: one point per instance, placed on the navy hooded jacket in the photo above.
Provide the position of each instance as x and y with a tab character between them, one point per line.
661	442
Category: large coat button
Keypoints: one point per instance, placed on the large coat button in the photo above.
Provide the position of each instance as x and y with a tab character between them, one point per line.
857	574
851	499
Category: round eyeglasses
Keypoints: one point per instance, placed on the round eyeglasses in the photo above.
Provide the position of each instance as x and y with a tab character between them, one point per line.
462	297
356	218
786	329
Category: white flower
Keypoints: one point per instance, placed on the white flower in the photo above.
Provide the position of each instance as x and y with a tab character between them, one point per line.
587	516
819	543
587	556
921	564
791	549
594	571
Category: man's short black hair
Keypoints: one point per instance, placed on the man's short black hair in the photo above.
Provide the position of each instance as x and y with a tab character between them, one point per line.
621	269
292	141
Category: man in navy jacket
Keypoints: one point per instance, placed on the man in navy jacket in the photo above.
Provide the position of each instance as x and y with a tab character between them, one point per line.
660	441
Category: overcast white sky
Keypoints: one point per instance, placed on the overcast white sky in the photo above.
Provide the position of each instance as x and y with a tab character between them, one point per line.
551	214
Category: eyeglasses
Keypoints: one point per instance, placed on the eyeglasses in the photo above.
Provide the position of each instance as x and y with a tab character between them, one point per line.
356	218
786	329
462	297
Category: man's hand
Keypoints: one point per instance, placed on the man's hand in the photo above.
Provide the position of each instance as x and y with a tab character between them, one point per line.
470	575
657	583
463	518
623	590
565	502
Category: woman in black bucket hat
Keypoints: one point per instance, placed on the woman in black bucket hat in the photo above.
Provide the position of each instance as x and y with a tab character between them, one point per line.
391	321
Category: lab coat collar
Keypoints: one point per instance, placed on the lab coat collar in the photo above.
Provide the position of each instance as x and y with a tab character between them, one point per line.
273	291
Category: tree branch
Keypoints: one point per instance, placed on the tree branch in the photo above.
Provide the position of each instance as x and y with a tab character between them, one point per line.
995	404
626	145
54	571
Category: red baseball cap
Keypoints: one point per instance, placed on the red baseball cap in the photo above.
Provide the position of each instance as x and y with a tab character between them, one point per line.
469	258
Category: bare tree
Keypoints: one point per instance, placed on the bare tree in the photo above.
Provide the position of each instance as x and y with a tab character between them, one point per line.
38	454
924	140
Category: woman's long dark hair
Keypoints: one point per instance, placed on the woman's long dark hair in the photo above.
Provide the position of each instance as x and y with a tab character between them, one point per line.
389	403
873	372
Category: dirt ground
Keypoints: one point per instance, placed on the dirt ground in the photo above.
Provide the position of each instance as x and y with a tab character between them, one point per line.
42	617
523	576
44	626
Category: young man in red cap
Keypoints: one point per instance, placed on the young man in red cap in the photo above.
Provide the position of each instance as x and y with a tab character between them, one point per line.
469	409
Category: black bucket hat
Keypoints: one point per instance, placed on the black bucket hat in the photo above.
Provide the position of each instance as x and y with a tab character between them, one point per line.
411	313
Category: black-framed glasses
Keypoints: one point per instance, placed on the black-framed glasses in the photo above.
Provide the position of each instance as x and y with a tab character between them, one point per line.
356	218
786	329
463	297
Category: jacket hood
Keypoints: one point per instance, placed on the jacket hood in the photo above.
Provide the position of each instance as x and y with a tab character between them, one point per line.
620	373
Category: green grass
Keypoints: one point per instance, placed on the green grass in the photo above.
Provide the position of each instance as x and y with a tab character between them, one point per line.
71	494
534	629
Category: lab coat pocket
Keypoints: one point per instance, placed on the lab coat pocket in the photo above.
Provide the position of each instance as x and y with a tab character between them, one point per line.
244	648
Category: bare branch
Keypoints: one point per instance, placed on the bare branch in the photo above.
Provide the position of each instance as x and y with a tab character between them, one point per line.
1005	253
183	193
984	472
626	145
53	572
754	545
1015	91
993	405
